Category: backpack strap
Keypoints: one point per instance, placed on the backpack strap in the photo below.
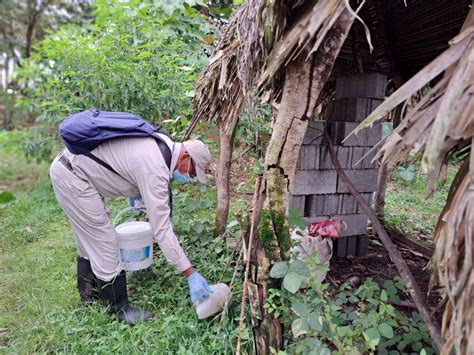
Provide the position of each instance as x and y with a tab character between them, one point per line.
165	151
164	148
167	155
101	162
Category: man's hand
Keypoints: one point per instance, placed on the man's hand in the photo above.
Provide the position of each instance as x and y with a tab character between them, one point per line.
198	287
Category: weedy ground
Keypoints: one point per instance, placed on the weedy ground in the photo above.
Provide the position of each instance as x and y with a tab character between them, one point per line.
406	208
39	303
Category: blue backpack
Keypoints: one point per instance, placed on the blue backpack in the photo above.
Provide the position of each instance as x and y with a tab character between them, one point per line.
84	131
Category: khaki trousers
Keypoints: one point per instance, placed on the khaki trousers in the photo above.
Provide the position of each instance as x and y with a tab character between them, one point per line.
95	236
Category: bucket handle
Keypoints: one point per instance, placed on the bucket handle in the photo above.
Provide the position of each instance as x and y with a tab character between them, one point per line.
125	210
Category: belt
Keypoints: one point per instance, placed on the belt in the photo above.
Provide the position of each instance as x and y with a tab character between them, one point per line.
65	161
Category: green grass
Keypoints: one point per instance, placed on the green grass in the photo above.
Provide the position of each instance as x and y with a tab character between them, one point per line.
408	211
39	303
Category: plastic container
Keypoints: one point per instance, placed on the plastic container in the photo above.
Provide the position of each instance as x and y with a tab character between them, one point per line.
136	245
213	303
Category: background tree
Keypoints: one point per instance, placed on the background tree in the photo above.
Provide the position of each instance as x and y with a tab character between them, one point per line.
22	24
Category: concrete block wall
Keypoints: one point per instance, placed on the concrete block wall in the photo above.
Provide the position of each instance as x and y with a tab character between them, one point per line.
318	192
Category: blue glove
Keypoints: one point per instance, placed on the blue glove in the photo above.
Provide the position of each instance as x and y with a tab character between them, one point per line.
136	202
198	287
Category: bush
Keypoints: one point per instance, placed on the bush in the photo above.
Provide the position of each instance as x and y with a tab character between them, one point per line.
140	57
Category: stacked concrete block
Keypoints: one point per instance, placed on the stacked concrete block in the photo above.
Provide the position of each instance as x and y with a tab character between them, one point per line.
318	192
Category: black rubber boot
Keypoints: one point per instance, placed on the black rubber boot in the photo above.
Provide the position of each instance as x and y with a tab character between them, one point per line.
86	281
114	295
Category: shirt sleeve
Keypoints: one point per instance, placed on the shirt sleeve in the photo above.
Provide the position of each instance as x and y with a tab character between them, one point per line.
154	190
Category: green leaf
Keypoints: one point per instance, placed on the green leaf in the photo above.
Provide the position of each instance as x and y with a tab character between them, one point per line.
301	309
232	224
199	227
6	197
314	344
406	174
343	331
353	299
417	346
292	282
295	219
279	270
372	337
387	129
299	327
299	267
314	321
389	286
383	296
386	330
399	283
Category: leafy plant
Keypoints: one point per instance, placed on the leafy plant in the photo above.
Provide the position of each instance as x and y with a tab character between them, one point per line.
196	204
6	197
295	219
352	321
135	56
34	143
407	173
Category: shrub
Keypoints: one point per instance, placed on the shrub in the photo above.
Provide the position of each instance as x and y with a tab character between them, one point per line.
140	57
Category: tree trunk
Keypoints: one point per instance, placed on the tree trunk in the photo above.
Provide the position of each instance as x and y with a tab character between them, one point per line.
33	19
304	80
223	177
8	100
222	183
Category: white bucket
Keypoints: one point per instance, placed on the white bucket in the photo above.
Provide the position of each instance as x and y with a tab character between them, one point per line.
136	245
213	303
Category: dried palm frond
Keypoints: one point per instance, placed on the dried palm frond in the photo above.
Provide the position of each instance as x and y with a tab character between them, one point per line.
257	28
441	122
313	25
454	261
224	82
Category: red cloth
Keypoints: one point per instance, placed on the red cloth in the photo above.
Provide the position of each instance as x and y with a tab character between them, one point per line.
326	228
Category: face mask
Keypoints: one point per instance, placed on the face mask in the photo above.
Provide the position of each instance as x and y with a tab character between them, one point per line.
181	178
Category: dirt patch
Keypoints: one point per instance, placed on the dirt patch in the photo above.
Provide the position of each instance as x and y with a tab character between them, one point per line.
377	265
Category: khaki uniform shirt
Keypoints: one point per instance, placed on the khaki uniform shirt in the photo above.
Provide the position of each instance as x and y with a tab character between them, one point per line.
142	169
